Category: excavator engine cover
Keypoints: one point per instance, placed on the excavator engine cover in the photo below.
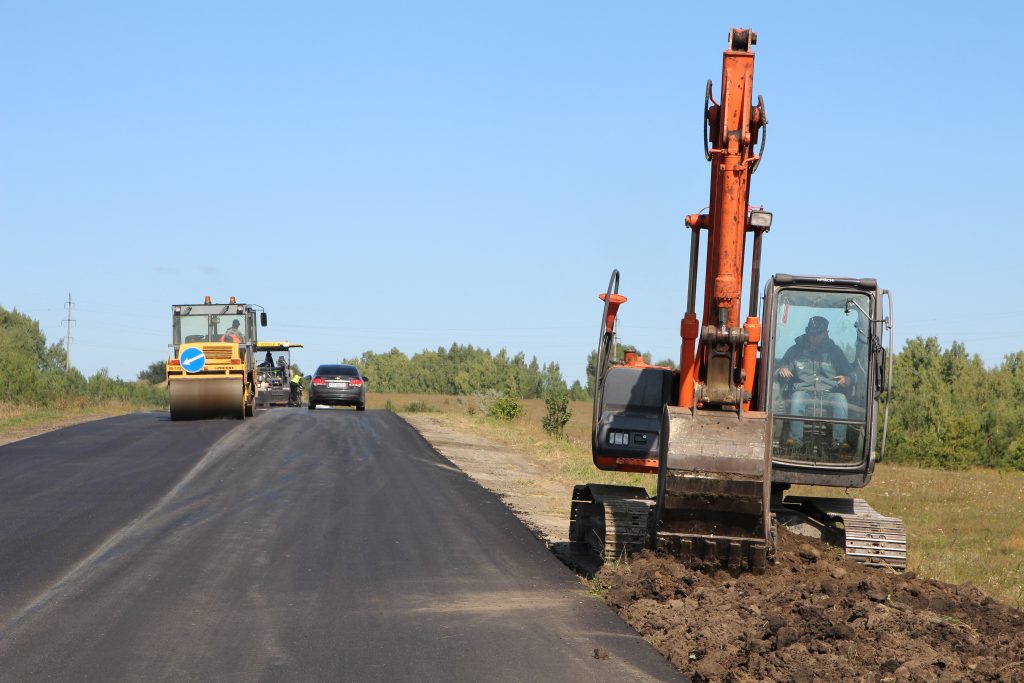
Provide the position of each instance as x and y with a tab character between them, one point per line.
627	434
714	489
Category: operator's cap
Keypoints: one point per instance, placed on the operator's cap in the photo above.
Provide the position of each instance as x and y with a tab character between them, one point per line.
817	324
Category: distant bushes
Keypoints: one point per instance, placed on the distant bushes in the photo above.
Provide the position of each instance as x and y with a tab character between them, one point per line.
414	407
948	410
33	373
506	407
558	413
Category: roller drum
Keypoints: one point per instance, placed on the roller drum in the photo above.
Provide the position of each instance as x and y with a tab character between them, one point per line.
207	398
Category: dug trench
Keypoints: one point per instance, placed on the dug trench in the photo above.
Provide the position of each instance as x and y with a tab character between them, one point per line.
812	616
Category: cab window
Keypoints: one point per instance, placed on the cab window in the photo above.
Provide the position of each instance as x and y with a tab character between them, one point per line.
191	328
818	391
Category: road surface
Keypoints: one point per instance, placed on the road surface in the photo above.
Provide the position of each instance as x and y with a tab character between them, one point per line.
327	545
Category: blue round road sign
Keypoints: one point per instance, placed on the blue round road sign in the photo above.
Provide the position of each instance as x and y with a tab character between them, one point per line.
192	359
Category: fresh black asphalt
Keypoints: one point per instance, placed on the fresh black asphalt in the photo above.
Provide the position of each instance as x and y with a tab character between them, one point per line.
327	545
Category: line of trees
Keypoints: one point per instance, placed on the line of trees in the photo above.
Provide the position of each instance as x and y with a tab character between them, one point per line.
32	372
947	409
463	370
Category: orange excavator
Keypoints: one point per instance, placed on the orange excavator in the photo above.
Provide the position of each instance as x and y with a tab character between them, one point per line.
758	404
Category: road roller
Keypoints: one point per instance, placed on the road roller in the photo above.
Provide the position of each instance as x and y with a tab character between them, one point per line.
211	372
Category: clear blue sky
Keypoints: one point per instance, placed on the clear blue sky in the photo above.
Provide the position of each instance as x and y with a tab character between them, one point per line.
382	175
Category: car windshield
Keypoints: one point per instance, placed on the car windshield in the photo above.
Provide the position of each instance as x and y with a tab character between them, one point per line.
338	370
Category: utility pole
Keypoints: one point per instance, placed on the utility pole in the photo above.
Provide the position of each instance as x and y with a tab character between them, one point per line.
67	340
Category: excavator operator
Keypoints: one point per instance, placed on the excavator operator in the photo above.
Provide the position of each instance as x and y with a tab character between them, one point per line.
817	369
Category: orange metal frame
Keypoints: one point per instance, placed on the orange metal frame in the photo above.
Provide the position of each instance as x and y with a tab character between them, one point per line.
734	125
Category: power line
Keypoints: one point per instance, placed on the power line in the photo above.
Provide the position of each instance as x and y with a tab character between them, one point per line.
67	357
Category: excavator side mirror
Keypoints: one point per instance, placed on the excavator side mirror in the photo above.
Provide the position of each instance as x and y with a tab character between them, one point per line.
263	319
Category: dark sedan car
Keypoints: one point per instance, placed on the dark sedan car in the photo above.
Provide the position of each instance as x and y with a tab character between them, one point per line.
337	385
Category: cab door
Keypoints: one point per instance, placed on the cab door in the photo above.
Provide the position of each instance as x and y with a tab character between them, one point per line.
822	391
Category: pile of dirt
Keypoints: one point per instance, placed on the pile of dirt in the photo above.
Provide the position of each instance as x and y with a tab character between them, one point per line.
815	616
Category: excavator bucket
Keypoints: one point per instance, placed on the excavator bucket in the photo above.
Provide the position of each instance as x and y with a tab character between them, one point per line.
714	489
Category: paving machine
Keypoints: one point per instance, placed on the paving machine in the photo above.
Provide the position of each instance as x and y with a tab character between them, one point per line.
211	372
273	373
752	409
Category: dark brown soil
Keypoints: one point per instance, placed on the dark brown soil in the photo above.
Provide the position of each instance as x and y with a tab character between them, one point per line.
815	616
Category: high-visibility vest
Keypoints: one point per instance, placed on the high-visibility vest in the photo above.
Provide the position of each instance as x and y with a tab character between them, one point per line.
296	378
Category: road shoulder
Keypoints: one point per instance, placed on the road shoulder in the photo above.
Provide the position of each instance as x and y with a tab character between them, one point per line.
525	482
32	424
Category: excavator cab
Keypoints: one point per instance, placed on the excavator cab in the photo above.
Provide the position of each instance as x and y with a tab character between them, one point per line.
822	375
826	433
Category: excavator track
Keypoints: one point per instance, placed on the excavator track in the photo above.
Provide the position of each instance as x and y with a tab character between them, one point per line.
609	522
869	537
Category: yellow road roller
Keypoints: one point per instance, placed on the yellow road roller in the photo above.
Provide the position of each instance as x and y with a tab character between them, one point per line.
211	372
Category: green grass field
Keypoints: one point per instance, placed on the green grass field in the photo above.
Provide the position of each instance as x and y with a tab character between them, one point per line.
20	421
964	526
